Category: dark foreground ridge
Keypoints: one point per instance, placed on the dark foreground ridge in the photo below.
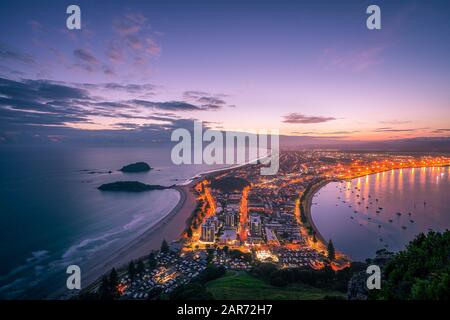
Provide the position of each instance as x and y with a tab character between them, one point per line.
136	167
130	186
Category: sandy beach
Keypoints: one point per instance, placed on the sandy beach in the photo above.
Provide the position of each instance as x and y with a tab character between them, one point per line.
307	207
169	228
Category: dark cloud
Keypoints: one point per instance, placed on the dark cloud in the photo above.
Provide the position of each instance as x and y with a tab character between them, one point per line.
10	54
44	103
85	56
88	62
170	105
206	100
324	133
300	118
444	130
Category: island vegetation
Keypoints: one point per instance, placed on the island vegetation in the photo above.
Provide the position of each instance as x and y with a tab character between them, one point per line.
136	167
130	186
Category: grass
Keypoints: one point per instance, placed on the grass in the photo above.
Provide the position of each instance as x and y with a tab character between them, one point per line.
237	285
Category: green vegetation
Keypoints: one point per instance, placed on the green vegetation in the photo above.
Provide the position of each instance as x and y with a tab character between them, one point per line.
136	167
129	186
324	278
229	184
237	285
196	289
152	261
164	246
422	271
108	288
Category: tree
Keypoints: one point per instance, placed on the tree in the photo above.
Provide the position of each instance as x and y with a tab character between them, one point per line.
164	246
113	282
113	278
420	272
225	249
140	268
152	261
104	291
314	237
331	252
189	232
131	270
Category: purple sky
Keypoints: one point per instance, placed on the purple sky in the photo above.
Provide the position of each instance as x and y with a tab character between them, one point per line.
308	68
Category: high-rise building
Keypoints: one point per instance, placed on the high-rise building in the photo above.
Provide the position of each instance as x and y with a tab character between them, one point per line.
255	225
230	219
208	231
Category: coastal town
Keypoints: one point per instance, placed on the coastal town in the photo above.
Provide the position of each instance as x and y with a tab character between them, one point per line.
243	219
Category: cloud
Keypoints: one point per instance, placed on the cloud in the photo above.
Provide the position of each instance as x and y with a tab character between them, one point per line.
50	103
355	61
395	122
443	130
324	133
206	100
133	35
389	129
85	56
10	54
171	105
300	118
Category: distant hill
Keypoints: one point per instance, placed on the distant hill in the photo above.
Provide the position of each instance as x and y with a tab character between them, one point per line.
136	167
229	184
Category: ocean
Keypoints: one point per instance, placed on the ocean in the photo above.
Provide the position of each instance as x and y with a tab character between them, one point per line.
52	215
408	201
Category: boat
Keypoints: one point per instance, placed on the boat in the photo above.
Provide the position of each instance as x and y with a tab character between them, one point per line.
390	220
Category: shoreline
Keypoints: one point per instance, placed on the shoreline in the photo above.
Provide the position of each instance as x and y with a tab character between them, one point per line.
307	208
169	228
172	225
318	186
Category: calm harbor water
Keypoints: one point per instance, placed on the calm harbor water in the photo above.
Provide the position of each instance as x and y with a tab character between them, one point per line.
52	215
384	210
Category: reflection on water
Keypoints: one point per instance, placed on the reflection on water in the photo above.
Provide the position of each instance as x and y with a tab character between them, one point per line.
383	210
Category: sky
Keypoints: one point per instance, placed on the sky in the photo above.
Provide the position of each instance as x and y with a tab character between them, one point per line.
306	68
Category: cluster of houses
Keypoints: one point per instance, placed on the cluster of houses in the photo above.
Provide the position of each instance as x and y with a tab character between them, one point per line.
172	270
298	258
221	258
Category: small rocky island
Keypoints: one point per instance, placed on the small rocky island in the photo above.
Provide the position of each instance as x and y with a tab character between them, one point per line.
136	167
130	186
